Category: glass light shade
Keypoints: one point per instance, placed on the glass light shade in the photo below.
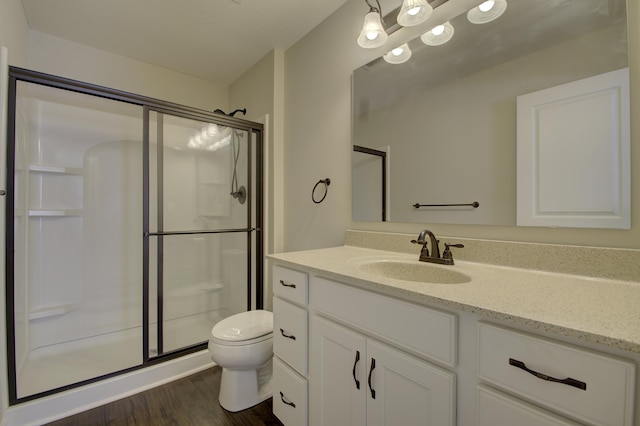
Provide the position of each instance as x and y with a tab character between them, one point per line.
414	12
398	55
372	34
438	35
487	11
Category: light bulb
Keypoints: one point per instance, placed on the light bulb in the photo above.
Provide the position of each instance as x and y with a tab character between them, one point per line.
414	12
372	34
398	55
438	35
437	30
487	11
487	5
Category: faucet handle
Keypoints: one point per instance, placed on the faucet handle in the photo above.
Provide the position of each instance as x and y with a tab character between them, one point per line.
447	251
424	251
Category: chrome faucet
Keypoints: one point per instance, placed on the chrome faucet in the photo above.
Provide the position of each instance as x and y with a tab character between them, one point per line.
434	257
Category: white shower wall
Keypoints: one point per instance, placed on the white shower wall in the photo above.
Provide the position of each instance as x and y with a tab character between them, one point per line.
79	239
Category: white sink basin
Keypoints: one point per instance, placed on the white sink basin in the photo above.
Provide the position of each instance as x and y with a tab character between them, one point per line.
414	271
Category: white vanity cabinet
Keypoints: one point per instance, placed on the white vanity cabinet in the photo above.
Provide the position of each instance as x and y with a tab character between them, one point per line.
594	388
356	379
290	345
360	381
361	357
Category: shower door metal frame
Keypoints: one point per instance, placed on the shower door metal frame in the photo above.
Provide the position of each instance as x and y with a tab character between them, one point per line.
254	228
253	224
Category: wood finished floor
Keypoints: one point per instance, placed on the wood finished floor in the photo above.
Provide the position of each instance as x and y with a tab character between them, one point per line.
191	401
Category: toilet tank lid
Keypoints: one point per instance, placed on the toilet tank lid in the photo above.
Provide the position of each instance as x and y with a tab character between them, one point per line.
244	326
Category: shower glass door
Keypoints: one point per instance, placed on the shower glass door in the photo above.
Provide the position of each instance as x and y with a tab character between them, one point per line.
200	227
76	229
132	227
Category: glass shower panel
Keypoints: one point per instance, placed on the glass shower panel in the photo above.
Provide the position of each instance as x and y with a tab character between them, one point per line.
202	174
204	281
199	198
77	254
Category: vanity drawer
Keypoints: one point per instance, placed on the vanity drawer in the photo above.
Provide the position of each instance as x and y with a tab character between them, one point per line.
497	409
290	334
608	394
289	395
290	284
415	328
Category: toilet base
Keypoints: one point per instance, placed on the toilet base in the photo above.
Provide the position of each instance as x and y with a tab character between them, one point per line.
242	389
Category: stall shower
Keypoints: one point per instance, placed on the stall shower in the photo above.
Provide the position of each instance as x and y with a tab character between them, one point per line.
127	236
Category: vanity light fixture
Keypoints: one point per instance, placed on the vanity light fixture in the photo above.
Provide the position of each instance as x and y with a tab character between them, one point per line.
373	34
487	11
438	35
398	55
414	12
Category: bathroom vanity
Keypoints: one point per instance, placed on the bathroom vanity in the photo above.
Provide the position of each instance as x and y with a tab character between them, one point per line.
467	344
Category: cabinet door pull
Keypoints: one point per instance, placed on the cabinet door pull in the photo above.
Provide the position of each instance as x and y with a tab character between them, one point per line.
285	401
355	363
373	391
287	284
288	336
568	381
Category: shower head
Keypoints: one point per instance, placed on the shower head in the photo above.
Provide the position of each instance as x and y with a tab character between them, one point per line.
231	114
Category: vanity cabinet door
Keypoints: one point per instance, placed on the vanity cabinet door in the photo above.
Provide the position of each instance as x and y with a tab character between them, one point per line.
403	390
337	359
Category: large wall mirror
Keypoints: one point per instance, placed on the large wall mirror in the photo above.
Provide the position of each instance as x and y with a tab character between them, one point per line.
446	119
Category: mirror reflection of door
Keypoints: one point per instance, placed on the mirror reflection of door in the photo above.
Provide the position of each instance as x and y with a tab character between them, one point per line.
370	177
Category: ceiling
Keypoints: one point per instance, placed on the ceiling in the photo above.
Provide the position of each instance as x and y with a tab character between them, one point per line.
217	40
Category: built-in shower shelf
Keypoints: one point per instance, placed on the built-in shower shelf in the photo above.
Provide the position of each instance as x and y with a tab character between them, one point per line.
50	311
55	213
55	169
196	289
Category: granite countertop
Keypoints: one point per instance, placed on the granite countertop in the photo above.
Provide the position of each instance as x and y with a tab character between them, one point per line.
596	310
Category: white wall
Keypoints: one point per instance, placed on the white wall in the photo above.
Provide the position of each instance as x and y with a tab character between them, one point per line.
57	56
318	139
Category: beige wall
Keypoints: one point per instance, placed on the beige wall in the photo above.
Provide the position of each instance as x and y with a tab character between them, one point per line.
317	142
14	31
260	90
57	56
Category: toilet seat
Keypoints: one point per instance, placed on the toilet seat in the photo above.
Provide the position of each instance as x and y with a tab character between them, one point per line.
244	328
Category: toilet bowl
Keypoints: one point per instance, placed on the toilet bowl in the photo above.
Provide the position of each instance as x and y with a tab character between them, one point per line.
242	345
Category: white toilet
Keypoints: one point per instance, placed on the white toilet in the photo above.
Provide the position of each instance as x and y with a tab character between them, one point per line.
242	345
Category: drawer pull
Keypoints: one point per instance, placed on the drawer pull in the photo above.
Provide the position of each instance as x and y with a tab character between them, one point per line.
287	284
355	363
568	381
285	401
288	336
373	391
